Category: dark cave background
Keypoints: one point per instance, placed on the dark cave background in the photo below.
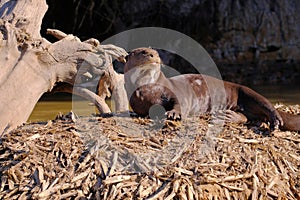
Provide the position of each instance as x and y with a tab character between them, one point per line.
252	42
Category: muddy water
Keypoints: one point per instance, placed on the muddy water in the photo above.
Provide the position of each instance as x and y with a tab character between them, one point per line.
49	107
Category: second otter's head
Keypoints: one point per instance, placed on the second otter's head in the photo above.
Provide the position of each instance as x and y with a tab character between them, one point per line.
141	56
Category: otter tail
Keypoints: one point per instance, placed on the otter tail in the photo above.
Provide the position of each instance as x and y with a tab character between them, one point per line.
290	122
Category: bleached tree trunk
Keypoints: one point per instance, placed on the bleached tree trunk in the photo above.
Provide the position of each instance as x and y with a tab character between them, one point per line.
31	66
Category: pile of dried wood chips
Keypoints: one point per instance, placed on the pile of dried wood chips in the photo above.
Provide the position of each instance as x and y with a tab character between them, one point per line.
127	158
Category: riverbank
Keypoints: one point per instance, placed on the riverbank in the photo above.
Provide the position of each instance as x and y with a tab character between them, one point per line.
129	158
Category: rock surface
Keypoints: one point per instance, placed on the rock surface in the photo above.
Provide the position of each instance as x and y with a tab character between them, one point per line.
245	38
231	30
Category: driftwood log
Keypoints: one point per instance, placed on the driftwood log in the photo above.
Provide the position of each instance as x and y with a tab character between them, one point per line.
31	65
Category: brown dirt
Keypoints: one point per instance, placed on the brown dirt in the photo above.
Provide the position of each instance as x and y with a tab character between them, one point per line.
129	158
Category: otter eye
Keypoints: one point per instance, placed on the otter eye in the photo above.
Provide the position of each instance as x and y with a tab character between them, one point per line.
151	55
144	52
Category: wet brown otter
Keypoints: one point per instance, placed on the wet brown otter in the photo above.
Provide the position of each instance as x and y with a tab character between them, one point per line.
192	94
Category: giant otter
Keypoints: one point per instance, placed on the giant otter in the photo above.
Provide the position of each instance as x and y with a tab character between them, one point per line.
194	94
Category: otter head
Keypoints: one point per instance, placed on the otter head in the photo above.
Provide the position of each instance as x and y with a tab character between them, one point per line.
141	57
142	67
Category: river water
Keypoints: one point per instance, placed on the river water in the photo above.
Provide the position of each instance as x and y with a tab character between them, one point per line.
50	106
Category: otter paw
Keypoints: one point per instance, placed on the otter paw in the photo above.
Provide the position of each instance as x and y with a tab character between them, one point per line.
275	123
173	115
235	117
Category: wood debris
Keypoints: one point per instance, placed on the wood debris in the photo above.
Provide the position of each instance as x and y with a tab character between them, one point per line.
61	159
